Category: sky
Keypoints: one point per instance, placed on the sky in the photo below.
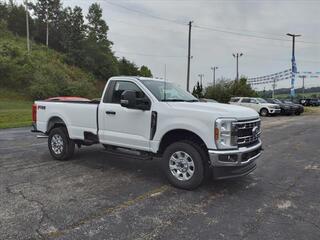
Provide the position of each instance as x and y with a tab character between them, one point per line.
155	33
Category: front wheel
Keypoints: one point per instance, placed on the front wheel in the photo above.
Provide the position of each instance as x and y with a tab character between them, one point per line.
183	164
60	145
264	112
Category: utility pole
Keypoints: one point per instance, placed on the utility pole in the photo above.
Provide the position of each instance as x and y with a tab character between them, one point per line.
201	76
237	55
273	87
47	35
214	75
303	77
293	62
27	25
189	56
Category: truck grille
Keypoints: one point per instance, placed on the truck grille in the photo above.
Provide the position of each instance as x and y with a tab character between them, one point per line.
248	132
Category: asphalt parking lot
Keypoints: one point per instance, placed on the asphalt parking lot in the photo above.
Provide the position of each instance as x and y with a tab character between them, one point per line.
100	196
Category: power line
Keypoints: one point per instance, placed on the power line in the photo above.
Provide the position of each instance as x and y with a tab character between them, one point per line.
145	13
150	55
249	35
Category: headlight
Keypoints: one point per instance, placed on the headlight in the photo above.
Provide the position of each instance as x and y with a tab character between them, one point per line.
225	133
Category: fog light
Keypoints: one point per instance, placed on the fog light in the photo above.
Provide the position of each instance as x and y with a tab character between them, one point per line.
228	158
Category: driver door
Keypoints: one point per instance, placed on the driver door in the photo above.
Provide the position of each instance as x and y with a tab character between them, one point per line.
121	126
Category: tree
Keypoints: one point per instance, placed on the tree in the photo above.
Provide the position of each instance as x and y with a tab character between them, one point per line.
47	13
72	31
127	68
198	90
3	11
224	90
145	71
97	27
84	43
16	18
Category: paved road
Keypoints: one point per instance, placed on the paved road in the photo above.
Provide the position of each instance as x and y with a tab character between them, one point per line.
100	196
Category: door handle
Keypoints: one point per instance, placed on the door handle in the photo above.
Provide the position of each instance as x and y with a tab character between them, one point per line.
111	112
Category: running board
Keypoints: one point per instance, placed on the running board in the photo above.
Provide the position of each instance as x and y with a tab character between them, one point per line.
42	136
125	152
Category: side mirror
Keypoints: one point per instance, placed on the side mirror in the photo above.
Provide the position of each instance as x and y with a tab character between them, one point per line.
129	100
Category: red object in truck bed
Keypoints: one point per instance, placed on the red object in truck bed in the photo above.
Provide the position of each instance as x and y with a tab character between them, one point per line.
65	98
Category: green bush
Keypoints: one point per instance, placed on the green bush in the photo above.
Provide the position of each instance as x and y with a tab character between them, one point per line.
223	91
42	73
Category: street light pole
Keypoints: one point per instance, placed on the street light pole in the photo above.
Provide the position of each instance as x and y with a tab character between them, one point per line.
214	75
293	62
237	55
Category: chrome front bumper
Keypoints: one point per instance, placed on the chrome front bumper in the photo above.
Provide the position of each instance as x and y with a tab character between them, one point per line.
238	157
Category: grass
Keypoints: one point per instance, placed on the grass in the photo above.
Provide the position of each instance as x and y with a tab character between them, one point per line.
312	110
15	110
287	96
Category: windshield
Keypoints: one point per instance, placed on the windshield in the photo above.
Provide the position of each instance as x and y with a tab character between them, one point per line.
261	100
167	91
277	101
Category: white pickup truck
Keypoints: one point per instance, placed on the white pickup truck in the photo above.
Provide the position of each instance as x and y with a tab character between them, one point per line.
149	118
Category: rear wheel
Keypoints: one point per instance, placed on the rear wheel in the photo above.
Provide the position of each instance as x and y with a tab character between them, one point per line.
264	112
60	145
184	164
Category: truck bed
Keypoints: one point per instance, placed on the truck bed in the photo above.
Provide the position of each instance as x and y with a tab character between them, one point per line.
72	114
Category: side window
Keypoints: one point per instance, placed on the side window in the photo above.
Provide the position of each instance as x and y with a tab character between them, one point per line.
253	100
234	99
245	100
121	86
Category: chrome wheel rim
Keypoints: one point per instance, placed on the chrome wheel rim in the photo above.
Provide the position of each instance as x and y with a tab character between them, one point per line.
181	165
57	144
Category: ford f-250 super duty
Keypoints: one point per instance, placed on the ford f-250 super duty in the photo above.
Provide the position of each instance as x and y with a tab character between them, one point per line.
150	118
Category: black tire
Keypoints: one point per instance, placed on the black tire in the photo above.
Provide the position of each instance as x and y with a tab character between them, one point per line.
198	157
297	113
105	146
67	147
264	112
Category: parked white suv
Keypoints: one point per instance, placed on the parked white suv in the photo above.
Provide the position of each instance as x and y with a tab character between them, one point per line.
260	105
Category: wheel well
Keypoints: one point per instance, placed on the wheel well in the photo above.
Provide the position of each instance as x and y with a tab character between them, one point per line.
265	109
55	122
178	135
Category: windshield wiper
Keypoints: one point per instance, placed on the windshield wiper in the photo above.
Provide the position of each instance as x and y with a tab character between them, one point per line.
193	100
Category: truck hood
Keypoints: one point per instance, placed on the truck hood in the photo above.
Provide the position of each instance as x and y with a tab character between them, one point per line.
219	109
269	105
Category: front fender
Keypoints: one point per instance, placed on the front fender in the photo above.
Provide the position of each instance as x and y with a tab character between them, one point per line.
200	128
